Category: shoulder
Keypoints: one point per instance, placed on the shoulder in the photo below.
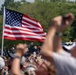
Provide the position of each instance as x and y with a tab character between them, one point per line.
58	58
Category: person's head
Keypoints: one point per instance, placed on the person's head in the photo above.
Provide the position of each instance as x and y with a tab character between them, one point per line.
30	69
73	51
68	46
2	63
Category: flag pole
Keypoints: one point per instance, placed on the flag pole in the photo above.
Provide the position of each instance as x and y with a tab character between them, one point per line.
3	32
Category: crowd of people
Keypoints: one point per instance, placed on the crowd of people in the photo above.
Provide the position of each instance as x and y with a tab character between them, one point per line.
48	59
31	61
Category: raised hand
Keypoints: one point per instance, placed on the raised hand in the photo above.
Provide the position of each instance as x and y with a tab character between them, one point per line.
21	49
62	22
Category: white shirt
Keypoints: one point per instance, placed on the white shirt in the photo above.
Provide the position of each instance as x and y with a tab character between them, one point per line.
65	64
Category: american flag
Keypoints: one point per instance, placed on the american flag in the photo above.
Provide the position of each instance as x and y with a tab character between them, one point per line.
20	26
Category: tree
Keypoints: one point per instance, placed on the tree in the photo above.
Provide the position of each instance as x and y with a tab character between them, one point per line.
23	1
7	4
44	11
57	0
38	0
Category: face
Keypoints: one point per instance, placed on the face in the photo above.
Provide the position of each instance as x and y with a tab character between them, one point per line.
73	51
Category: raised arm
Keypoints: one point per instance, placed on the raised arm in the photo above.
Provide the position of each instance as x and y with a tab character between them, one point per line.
21	49
58	24
58	42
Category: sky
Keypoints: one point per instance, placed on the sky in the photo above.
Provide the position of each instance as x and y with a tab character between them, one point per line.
2	1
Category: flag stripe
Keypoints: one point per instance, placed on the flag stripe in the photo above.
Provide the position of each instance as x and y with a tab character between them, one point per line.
19	36
15	29
30	18
30	26
32	23
30	39
25	34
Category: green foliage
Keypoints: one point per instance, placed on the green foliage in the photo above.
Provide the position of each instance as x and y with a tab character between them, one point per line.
1	20
43	11
7	4
23	1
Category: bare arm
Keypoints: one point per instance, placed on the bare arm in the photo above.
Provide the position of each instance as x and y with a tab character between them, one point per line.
16	66
66	22
58	24
47	47
21	49
58	43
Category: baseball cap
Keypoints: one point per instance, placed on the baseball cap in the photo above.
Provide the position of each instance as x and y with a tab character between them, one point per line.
68	46
31	67
2	63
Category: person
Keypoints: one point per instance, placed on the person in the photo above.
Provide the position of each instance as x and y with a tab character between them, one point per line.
62	62
22	49
52	48
2	65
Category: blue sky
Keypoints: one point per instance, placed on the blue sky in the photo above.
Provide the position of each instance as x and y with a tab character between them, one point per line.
2	1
